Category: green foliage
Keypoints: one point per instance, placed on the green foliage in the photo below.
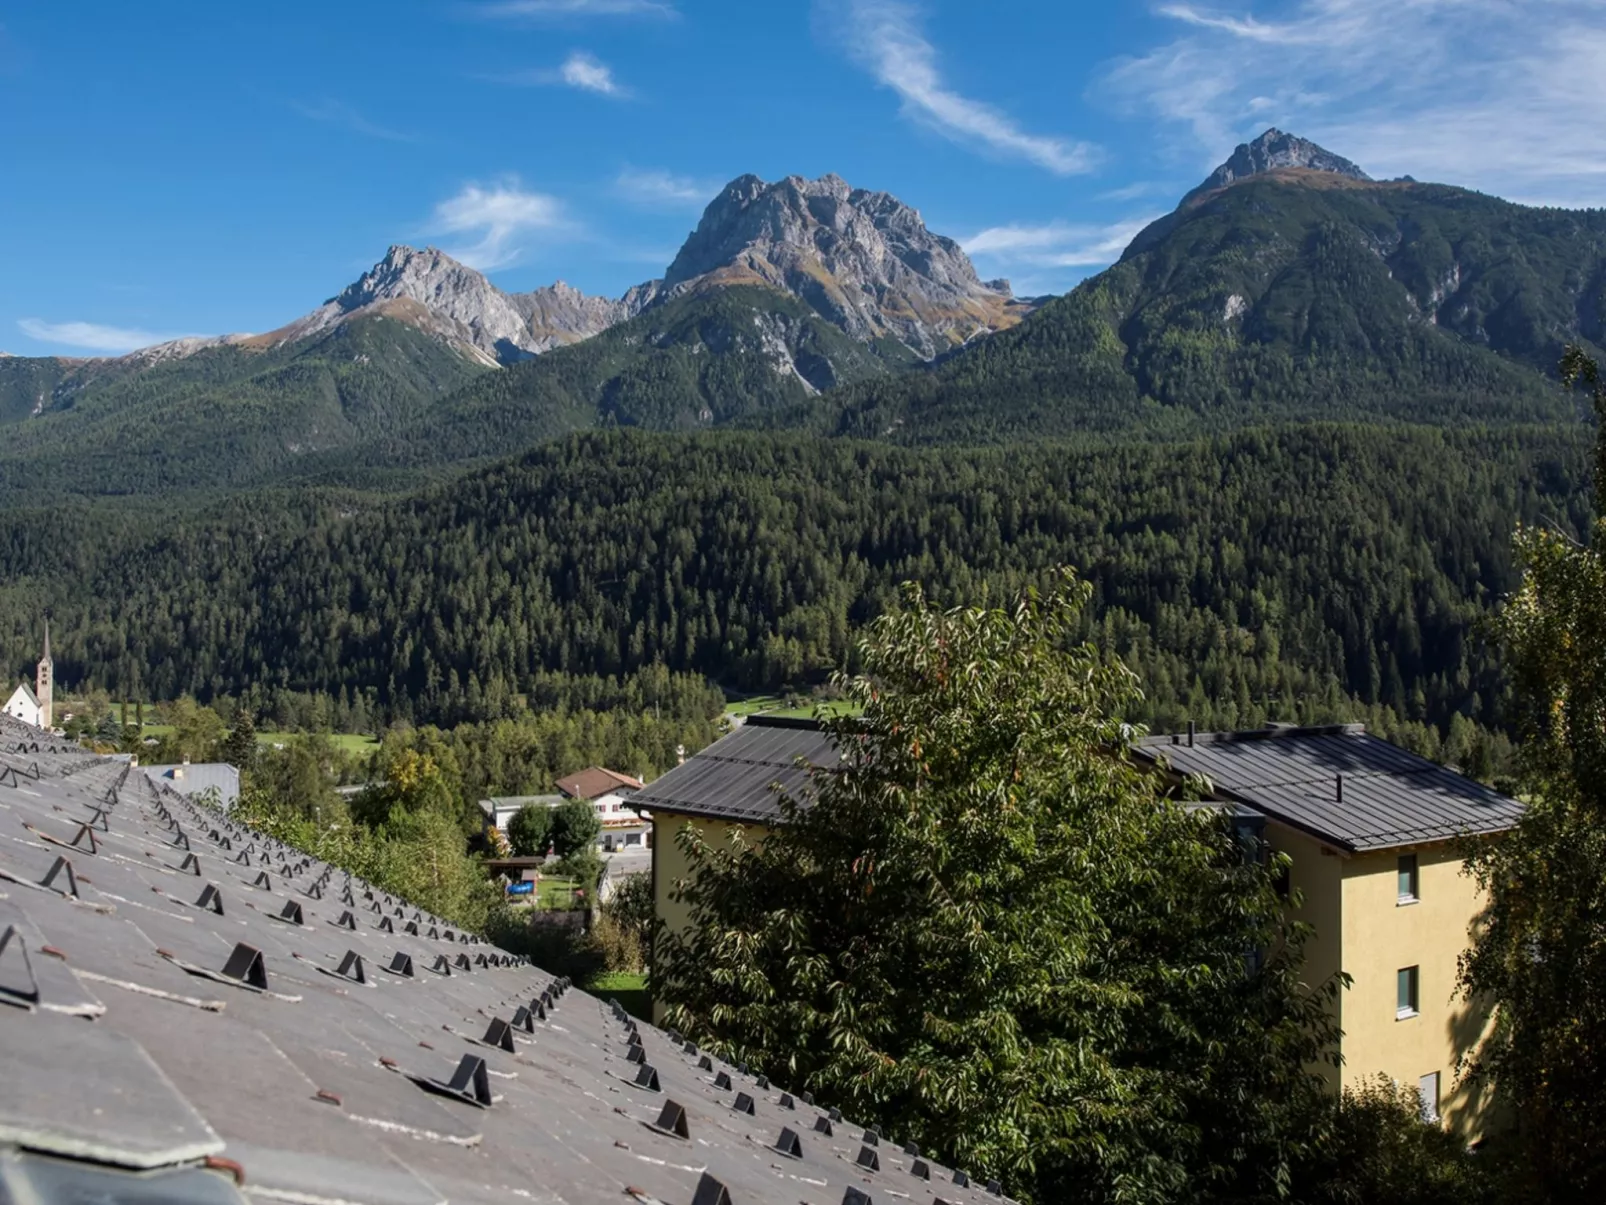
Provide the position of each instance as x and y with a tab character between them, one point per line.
239	749
575	828
529	830
631	907
992	936
1306	573
1540	950
404	837
1378	1151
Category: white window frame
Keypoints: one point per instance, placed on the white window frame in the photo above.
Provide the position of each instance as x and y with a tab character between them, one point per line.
1404	1012
1430	1106
1414	895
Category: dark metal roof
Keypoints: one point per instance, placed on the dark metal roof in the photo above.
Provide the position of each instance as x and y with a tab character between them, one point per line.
1388	797
157	1049
739	776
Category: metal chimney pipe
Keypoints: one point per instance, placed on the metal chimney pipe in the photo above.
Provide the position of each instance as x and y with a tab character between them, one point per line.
1340	791
1190	734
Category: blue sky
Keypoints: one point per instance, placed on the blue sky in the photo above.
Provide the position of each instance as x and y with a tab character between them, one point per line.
181	168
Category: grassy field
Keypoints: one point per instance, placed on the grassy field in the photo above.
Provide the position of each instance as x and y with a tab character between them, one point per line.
348	742
629	990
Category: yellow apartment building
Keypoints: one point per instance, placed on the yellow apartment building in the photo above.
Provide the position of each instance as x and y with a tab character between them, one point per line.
1374	835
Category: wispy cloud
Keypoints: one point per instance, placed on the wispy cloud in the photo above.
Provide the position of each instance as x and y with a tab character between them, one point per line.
500	218
886	38
662	189
338	113
548	10
93	336
1495	94
580	70
1055	244
585	71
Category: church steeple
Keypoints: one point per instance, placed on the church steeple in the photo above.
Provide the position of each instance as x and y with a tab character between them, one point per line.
44	684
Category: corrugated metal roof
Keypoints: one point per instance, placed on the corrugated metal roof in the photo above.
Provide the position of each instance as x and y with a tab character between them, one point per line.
741	776
171	1038
1388	797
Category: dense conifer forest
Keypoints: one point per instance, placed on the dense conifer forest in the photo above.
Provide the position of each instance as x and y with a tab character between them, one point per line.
1294	572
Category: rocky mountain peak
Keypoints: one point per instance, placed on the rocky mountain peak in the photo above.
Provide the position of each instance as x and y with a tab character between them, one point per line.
1273	150
862	258
449	299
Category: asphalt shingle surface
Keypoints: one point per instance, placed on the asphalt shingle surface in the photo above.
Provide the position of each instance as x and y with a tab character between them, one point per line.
1388	797
165	1037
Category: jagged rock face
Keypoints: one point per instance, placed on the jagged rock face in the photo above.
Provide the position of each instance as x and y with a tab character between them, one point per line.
433	291
559	314
862	259
1270	152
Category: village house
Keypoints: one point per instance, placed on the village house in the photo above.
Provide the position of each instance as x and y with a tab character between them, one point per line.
1374	834
607	791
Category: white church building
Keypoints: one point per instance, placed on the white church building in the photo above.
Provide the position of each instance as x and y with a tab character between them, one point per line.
35	705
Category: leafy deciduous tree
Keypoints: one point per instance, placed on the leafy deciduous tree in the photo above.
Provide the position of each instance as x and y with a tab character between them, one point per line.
991	933
575	827
1540	951
529	829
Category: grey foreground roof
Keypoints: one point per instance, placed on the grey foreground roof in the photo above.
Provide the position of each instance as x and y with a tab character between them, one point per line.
196	777
737	777
1339	784
195	1013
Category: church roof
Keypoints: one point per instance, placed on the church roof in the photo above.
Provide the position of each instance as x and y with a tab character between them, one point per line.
26	692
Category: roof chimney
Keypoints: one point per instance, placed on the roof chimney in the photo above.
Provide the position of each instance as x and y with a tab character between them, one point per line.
1339	795
1190	734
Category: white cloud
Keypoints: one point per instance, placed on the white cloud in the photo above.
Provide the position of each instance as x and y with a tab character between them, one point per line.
884	36
500	216
1502	95
581	70
1056	244
93	336
651	186
558	9
338	113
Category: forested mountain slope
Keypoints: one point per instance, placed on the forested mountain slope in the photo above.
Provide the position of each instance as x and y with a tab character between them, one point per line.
226	416
1293	569
1286	294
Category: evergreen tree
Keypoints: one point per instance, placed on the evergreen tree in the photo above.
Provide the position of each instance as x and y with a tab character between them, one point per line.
239	749
992	935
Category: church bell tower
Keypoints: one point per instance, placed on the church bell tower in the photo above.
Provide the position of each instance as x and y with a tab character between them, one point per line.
44	684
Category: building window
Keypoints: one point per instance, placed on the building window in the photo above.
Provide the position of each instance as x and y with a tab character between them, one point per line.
1407	879
1427	1088
1406	982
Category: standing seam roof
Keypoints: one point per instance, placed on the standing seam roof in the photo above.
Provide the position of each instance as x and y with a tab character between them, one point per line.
1388	797
742	775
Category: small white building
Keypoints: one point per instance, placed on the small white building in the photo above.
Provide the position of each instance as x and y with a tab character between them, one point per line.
34	705
607	791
